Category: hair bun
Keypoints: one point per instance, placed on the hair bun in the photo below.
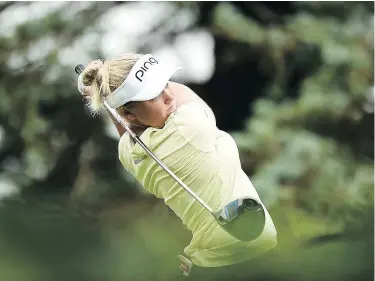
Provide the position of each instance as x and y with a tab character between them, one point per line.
91	71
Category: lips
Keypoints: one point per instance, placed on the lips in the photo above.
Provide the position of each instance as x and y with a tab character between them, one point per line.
171	109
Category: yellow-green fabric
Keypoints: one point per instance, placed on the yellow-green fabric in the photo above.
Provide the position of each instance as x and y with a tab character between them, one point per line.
207	160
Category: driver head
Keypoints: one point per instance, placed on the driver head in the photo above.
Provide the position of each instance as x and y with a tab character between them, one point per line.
243	218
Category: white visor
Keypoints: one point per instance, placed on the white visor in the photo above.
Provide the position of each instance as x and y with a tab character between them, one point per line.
146	81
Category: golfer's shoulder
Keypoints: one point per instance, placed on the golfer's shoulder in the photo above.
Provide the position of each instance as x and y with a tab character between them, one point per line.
192	108
194	114
195	122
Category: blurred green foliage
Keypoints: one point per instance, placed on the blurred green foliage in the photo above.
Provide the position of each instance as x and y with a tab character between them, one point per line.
316	151
80	216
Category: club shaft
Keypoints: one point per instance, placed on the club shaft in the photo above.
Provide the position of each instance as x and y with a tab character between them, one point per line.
140	142
120	120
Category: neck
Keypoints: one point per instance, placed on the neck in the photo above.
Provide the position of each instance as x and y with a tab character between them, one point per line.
138	130
178	90
184	94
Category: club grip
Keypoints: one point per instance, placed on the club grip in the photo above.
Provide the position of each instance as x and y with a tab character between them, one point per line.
79	68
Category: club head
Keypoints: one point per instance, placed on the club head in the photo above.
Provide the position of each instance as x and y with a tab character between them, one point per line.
243	218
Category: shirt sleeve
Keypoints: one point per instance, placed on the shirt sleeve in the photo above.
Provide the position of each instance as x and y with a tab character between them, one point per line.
197	125
123	153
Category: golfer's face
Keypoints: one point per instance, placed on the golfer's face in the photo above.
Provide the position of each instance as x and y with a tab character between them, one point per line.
155	112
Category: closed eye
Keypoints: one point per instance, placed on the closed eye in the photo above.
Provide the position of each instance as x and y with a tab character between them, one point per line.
156	97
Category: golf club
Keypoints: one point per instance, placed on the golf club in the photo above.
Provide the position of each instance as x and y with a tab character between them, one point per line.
242	218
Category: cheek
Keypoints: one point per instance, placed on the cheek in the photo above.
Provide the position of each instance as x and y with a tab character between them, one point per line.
153	111
157	108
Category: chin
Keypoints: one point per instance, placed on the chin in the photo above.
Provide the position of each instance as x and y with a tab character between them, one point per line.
159	125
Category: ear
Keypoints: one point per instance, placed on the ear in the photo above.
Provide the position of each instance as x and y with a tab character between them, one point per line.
130	116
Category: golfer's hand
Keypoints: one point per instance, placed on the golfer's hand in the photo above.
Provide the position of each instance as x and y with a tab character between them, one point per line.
86	93
84	90
185	265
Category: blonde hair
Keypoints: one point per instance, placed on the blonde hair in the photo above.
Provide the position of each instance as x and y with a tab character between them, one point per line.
104	77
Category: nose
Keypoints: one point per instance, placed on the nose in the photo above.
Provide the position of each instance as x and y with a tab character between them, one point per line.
167	97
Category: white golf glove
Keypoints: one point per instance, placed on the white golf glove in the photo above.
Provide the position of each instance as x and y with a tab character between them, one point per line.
186	265
84	90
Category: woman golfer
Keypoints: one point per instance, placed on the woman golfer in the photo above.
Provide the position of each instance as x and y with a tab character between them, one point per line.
180	129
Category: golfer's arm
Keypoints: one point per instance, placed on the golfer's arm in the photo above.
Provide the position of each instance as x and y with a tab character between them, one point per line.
120	129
